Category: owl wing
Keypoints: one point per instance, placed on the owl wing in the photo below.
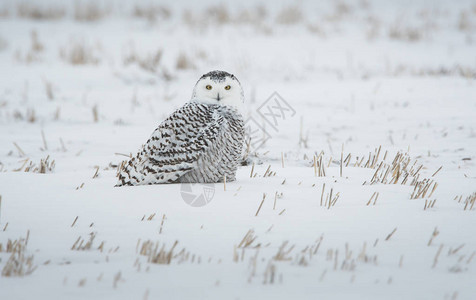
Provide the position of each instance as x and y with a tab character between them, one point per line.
174	147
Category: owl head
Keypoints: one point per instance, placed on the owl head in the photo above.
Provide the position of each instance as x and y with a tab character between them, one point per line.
219	87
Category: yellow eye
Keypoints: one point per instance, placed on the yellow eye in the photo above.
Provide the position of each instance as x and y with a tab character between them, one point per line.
208	87
227	87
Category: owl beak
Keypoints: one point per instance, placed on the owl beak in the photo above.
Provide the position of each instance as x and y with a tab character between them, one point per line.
218	97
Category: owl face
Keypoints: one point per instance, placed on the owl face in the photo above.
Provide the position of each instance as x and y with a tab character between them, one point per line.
219	87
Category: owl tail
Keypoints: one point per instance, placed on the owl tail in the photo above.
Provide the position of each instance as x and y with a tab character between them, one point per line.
127	174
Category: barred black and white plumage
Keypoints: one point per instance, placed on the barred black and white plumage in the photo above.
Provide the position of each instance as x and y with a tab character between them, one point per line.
200	142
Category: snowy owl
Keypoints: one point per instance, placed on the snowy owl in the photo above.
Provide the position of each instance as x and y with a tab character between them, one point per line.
199	142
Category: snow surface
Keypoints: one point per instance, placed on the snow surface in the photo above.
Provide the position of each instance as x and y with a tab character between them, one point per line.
359	74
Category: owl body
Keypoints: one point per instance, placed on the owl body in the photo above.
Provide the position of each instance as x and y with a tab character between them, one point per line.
223	152
200	142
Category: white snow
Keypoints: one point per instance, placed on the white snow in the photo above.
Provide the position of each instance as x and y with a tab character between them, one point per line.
359	74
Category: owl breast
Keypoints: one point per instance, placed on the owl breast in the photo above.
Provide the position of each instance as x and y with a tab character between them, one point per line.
221	158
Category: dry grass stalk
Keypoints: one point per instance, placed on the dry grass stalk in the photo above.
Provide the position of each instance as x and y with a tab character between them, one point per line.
21	153
63	148
315	165
18	264
422	187
454	251
82	282
162	223
399	171
376	197
375	243
152	12
79	53
269	273
364	257
184	62
437	171
268	173
270	227
101	246
89	12
434	188
435	260
146	295
13	246
31	115
274	204
433	236
261	204
471	257
218	14
283	253
321	278
331	199
347	159
336	259
149	62
29	10
253	263
410	34
44	167
156	255
49	91
74	222
96	174
95	113
22	166
319	168
36	47
469	201
236	256
253	15
57	117
289	15
248	240
83	245
391	234
117	279
323	189
370	200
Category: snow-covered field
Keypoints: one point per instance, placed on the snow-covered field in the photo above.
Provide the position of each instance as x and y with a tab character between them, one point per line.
364	189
